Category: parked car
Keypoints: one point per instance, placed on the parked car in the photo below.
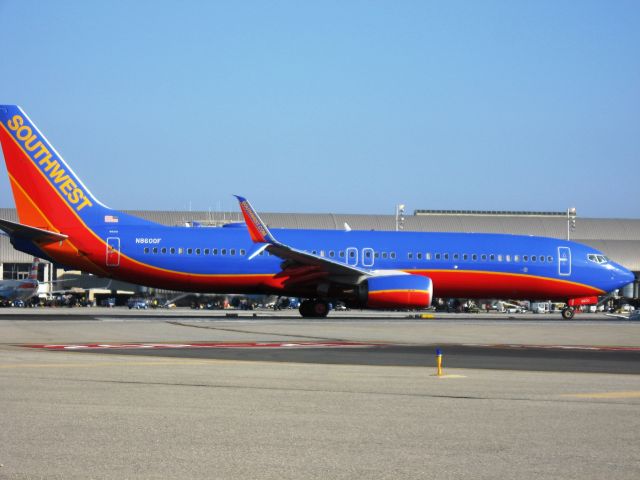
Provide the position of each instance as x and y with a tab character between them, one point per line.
137	303
108	302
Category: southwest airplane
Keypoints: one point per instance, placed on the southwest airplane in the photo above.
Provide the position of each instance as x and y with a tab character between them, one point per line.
60	220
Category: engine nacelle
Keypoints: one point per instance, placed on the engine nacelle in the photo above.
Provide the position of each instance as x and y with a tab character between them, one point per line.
398	291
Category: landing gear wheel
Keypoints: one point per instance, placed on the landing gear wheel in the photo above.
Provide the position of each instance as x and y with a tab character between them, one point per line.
320	309
314	309
568	313
305	308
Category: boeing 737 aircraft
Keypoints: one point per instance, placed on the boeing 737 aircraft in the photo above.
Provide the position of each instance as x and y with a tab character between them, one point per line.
61	220
12	290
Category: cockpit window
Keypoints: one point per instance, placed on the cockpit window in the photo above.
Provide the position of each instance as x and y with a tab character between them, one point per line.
592	257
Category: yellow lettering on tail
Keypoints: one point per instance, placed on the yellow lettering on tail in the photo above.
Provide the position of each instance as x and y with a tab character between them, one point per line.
35	148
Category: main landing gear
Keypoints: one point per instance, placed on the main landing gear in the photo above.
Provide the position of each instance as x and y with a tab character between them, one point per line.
314	309
568	313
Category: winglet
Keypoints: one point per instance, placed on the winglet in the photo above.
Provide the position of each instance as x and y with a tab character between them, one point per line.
257	228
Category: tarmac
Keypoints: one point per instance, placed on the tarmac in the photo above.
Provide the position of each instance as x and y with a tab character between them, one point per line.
109	393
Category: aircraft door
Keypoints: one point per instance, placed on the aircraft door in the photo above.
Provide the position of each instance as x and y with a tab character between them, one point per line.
367	257
352	256
564	261
113	252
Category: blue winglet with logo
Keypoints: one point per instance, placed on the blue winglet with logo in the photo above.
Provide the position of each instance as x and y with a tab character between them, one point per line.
257	228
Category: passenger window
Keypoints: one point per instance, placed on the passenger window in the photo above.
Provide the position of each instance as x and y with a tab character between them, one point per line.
456	256
419	255
384	254
352	254
164	250
427	256
332	253
376	255
189	251
508	258
393	255
534	258
484	257
410	256
214	251
525	258
206	251
172	250
242	251
180	250
492	257
437	256
516	258
499	257
367	254
549	259
155	250
315	252
197	251
342	254
232	251
146	249
446	256
223	251
474	257
465	256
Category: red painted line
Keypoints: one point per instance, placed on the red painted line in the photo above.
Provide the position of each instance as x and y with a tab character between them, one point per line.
598	348
133	346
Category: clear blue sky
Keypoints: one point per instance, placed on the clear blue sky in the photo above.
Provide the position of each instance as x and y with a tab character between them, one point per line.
345	106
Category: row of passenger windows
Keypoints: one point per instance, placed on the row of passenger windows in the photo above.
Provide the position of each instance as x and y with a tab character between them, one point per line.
366	253
195	251
482	257
445	256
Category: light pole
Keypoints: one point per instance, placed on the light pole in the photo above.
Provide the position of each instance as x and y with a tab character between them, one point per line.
399	217
571	221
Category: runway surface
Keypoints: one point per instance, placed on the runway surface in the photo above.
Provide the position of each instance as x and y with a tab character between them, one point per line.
497	357
117	394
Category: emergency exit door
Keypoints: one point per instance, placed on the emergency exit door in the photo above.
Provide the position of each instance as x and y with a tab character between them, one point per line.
564	261
113	252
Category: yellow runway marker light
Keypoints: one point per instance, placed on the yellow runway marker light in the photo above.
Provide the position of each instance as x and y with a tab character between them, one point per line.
439	361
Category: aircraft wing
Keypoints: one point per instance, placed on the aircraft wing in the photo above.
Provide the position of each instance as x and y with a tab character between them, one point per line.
27	232
300	257
299	266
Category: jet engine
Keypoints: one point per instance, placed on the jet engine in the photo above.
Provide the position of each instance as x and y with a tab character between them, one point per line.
397	291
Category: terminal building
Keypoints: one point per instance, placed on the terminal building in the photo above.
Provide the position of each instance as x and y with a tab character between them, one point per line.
619	239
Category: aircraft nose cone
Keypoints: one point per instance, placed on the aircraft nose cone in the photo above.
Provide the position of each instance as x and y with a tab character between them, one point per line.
624	276
627	277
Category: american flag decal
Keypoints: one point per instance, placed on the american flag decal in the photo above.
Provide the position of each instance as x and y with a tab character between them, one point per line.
110	219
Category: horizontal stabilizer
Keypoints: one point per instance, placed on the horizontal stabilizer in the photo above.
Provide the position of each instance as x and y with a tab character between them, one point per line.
34	234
